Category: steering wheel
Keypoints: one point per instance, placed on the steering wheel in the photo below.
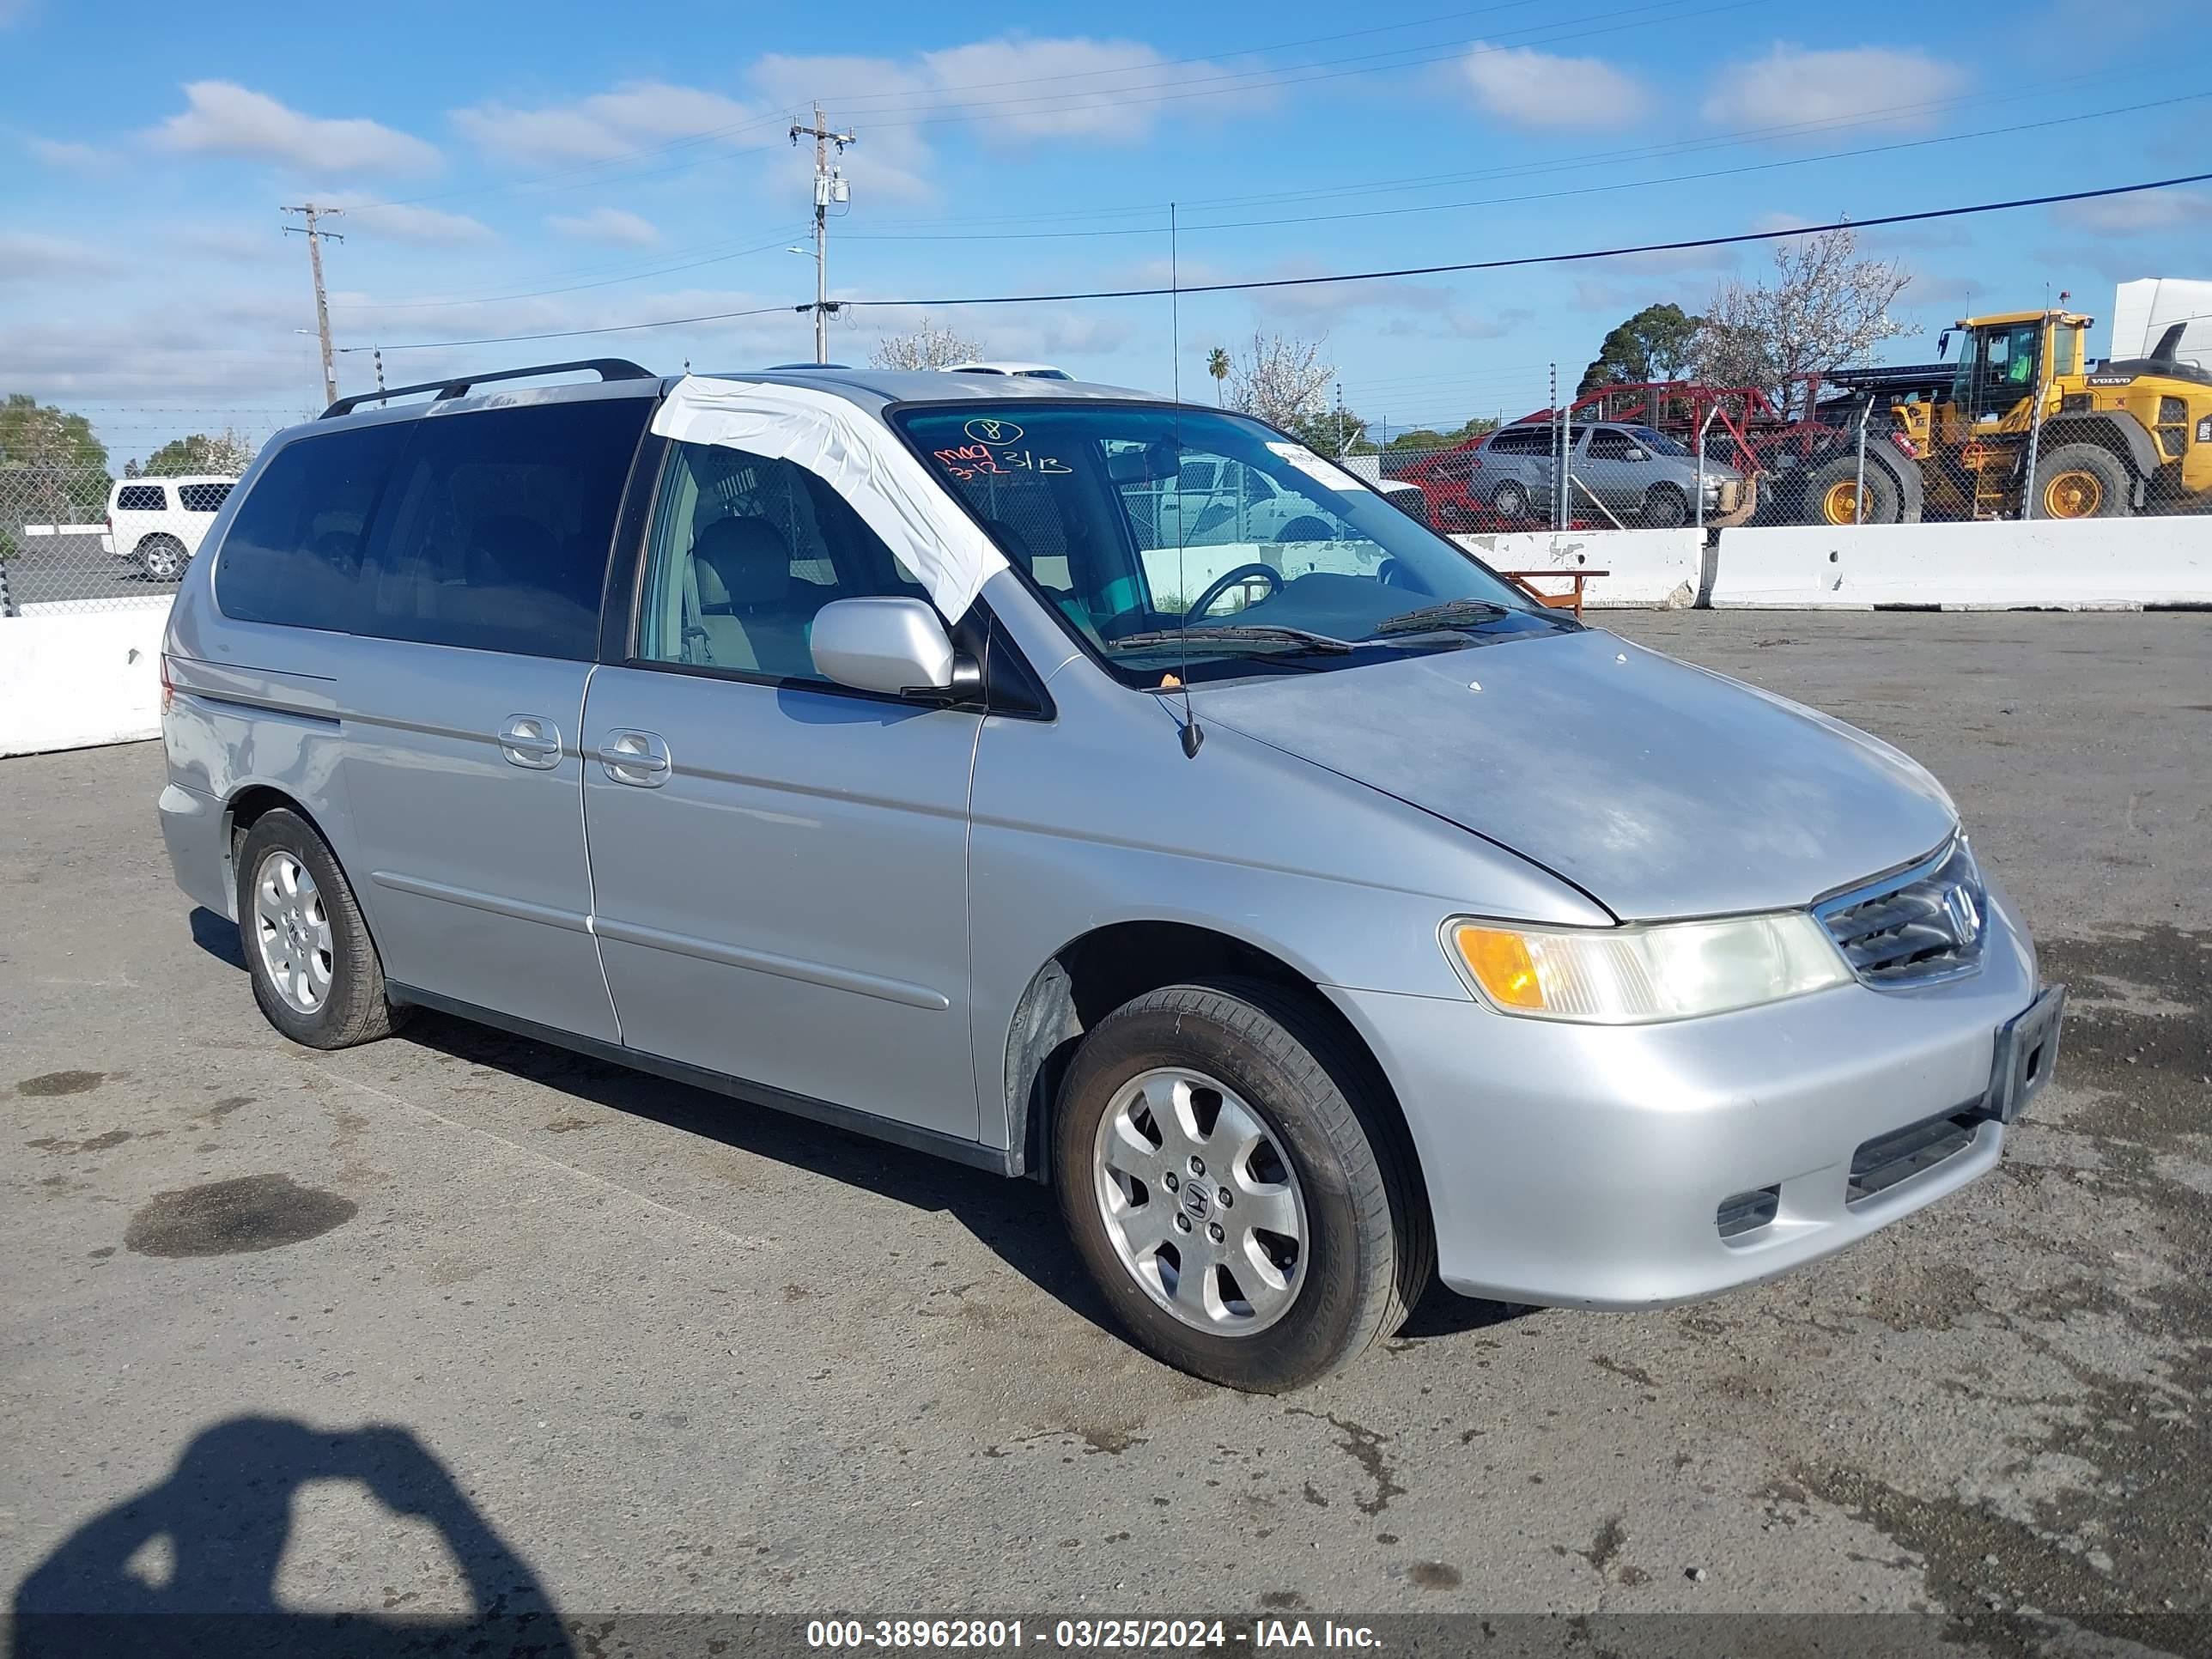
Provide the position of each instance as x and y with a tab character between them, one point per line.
1229	579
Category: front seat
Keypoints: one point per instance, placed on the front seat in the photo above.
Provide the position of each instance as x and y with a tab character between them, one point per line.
746	610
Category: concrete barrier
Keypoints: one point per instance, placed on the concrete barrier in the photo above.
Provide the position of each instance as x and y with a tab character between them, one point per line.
1650	568
68	682
2095	564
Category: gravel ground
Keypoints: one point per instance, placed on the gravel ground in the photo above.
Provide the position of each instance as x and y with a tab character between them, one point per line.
504	1327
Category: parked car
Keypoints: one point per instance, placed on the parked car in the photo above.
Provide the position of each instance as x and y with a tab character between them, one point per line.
819	737
1633	474
160	523
1022	371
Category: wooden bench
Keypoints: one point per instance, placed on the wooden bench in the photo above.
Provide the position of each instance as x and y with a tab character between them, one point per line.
1525	580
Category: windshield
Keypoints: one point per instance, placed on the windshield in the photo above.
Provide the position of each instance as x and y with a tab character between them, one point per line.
1996	367
1141	522
1658	443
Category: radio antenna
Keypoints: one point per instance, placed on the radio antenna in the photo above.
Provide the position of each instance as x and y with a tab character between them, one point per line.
1191	735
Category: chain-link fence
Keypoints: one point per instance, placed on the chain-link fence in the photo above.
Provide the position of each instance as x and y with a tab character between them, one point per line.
2000	433
71	538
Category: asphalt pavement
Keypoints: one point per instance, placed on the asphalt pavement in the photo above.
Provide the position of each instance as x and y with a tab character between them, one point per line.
51	568
494	1321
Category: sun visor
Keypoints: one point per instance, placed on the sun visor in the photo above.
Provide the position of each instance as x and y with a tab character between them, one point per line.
857	456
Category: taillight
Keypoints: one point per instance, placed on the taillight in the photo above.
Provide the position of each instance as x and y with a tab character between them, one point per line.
168	689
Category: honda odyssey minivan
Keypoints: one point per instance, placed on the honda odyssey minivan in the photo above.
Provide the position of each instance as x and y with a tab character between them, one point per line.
1318	919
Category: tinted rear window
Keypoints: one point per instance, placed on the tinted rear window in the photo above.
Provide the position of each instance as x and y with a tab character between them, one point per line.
499	525
294	552
203	497
1522	441
142	498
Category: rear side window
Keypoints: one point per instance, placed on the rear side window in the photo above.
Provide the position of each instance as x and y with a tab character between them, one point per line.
500	521
142	498
1521	440
294	552
203	497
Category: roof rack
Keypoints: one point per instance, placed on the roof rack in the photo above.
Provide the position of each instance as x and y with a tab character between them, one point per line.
608	368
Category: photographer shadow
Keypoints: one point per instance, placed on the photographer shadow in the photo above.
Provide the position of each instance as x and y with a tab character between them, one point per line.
225	1514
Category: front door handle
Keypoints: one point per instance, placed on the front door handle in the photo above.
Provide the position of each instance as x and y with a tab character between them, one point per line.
530	740
639	758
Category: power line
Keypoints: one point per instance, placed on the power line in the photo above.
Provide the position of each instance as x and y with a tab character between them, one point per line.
1548	195
1740	238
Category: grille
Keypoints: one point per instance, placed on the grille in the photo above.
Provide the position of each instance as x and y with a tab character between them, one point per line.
1925	925
1881	1163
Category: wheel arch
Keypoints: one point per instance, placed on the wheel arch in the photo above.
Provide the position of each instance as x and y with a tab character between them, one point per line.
2116	430
248	805
1097	971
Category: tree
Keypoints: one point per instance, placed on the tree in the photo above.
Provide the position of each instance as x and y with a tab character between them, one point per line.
52	469
1655	344
1822	308
1218	366
1332	432
226	453
1280	380
929	346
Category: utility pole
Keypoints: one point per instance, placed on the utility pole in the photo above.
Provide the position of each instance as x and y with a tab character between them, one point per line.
830	186
316	237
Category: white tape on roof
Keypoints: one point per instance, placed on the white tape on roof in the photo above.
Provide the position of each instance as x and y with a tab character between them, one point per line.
858	458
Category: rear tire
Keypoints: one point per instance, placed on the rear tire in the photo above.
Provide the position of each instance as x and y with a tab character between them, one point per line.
1509	500
1328	1247
2083	481
315	971
163	557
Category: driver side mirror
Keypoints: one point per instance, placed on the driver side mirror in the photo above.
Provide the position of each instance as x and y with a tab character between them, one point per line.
895	646
1635	454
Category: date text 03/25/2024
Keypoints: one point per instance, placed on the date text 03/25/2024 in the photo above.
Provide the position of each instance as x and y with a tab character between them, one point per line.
1118	1635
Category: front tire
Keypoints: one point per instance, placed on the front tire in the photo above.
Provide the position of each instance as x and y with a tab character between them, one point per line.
315	972
1665	506
1231	1176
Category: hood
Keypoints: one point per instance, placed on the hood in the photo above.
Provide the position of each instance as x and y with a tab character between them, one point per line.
1659	789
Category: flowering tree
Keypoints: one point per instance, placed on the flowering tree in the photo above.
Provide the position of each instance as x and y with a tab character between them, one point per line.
929	346
1279	379
1823	307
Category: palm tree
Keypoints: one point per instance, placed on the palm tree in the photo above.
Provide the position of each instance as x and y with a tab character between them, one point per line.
1218	365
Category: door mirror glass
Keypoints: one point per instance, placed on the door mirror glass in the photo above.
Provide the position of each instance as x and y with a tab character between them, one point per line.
1635	454
891	645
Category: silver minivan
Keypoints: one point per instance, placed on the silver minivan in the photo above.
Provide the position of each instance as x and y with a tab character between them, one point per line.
1318	919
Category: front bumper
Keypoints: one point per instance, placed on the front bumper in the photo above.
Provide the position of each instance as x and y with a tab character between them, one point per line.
1587	1166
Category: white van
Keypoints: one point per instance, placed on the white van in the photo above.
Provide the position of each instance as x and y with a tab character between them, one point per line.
160	523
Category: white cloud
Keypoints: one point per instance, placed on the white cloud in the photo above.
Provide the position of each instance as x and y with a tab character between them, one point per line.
2138	214
606	224
69	155
26	257
404	222
1524	87
1791	86
1075	87
227	120
636	116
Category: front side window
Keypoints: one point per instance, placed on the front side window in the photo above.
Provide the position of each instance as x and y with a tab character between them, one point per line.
142	498
1656	442
744	551
1310	569
501	521
1610	444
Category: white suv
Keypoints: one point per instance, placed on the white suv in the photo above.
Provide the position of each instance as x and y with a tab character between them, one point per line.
160	522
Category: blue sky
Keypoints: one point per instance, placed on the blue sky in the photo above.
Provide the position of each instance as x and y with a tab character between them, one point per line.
512	169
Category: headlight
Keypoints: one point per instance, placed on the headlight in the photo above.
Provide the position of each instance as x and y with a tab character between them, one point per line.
1637	976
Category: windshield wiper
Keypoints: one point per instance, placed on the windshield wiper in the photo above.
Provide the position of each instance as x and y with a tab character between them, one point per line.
1265	634
1450	614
